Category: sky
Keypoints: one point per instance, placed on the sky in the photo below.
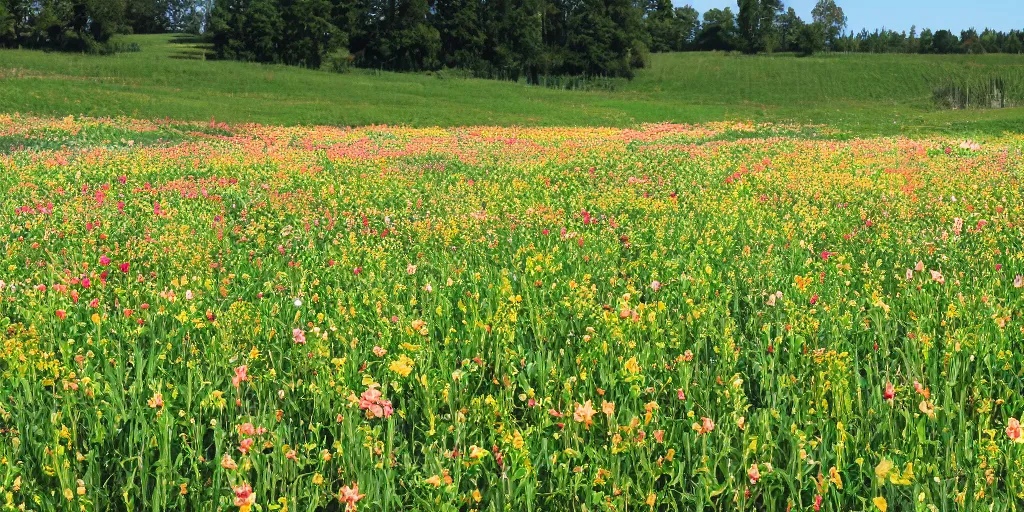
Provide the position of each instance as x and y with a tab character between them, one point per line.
899	15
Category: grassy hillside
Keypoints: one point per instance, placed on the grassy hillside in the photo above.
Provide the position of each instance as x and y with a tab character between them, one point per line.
860	93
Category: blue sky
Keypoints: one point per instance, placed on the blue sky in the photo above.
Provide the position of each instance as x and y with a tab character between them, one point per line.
899	15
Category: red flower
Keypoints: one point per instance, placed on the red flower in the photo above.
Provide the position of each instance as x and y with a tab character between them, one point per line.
890	391
61	314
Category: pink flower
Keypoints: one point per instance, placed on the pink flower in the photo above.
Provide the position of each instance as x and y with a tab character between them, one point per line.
299	336
241	374
937	276
680	395
754	474
86	283
375	407
244	496
655	285
1013	429
247	429
124	267
659	436
245	445
1018	281
349	496
814	299
104	260
379	351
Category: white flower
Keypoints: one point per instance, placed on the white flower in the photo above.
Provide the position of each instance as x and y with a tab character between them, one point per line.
298	303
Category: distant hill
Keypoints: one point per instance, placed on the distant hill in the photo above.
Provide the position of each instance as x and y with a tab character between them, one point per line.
859	93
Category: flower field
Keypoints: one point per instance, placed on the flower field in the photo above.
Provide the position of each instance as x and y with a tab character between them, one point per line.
200	316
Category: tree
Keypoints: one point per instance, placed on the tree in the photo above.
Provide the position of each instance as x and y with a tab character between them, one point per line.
831	18
8	27
595	42
102	18
686	26
461	34
756	23
945	42
811	39
788	27
146	16
970	42
515	44
263	36
307	33
927	39
718	31
913	42
659	21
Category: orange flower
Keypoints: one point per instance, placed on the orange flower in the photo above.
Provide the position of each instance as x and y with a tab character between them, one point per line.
584	413
608	408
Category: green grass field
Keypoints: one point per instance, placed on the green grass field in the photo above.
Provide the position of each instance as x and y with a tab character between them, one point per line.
862	94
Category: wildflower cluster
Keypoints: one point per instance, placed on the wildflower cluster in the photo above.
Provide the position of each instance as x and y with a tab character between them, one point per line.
727	316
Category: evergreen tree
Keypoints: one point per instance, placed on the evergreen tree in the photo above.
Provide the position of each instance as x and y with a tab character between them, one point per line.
307	34
461	33
660	22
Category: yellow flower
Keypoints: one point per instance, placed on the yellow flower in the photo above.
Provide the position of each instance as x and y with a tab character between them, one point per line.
882	470
632	366
652	499
837	479
880	503
402	366
475	452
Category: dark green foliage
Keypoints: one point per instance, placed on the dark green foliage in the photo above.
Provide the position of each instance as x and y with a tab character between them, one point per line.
811	38
788	27
462	35
756	23
8	32
146	16
831	19
718	32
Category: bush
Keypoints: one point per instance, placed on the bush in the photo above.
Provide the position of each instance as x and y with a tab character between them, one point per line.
339	61
639	56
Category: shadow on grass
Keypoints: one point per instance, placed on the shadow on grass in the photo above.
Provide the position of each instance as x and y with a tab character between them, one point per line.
192	47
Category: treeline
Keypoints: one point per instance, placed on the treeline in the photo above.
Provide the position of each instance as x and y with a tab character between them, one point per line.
508	39
86	25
